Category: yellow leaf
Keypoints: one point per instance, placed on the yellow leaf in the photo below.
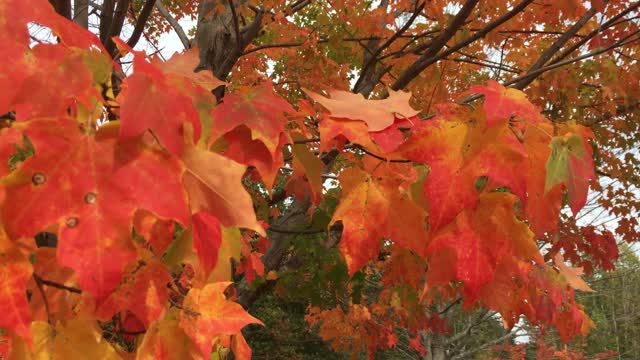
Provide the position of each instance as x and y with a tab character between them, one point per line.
207	313
165	340
77	339
572	275
214	185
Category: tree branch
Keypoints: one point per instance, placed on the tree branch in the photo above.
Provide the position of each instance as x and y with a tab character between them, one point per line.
57	285
250	31
62	7
484	315
360	147
437	44
106	17
554	48
609	23
147	8
296	232
182	35
492	66
81	13
625	40
457	301
465	354
299	5
236	26
358	87
471	56
270	46
532	31
295	215
116	25
274	255
416	68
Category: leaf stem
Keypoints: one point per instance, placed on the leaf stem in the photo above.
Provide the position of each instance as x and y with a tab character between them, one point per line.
56	285
380	157
39	283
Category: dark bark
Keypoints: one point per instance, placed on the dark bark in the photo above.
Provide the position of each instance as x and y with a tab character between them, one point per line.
288	226
81	13
106	16
147	8
367	80
220	40
273	257
554	48
437	44
425	60
62	7
221	43
585	39
116	25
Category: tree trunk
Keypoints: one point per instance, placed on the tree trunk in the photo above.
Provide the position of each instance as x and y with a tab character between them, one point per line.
436	347
219	37
62	7
81	13
273	257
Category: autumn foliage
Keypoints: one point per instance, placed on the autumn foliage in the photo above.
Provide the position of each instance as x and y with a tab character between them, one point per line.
160	198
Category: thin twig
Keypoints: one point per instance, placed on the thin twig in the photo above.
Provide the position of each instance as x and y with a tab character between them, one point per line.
451	305
141	22
271	46
625	40
554	48
416	68
497	67
608	24
57	285
374	57
182	35
306	141
44	296
380	157
299	5
287	231
236	26
510	334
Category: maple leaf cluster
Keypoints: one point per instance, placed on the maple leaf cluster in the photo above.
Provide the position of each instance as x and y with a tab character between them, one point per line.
468	193
93	183
144	192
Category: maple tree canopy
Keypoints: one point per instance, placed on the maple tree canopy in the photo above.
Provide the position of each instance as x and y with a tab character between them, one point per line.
443	150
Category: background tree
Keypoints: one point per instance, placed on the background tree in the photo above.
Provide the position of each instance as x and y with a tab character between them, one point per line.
613	307
380	210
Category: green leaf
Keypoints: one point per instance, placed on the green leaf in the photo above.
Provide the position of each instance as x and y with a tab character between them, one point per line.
562	148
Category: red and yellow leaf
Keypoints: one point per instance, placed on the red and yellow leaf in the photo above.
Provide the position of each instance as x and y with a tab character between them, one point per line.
260	110
214	185
77	338
377	114
362	210
207	313
91	194
165	340
144	292
572	275
207	237
15	272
